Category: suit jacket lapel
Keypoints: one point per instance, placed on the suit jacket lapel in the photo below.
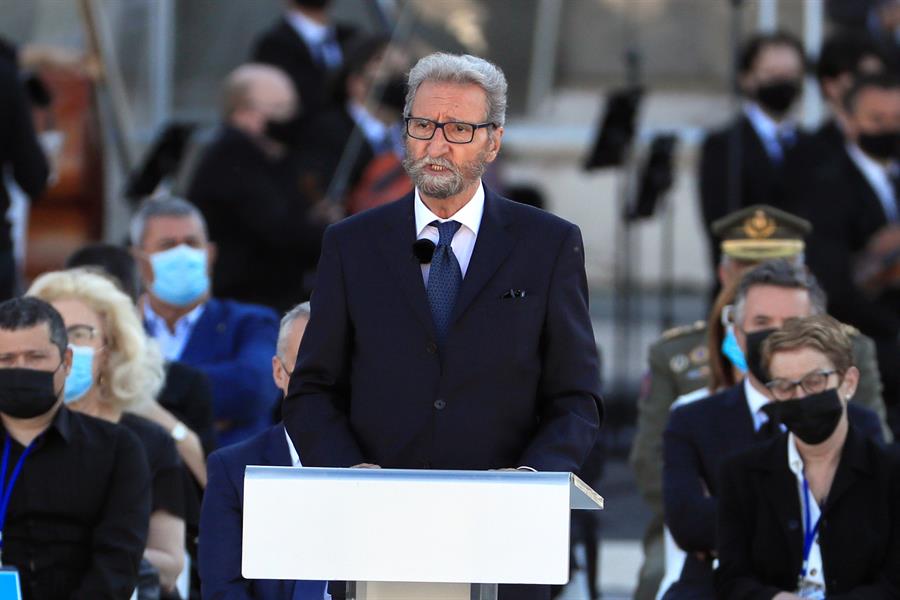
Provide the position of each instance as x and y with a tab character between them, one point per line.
395	243
853	462
201	338
492	246
779	485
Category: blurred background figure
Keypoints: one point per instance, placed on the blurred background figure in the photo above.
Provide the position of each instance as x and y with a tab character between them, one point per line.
309	48
253	191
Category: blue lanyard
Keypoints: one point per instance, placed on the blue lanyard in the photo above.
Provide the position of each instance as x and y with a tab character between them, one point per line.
810	531
6	489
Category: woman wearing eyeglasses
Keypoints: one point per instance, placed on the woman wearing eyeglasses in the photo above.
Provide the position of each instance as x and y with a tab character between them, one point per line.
115	372
815	511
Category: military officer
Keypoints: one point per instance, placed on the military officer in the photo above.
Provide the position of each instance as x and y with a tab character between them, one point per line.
679	362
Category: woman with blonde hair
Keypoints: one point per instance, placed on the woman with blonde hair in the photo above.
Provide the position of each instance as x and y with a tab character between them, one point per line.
116	374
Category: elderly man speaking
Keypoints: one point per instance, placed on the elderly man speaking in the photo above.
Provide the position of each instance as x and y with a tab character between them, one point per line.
449	329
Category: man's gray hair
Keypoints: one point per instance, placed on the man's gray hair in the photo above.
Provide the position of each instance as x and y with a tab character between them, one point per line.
461	69
161	206
779	273
299	311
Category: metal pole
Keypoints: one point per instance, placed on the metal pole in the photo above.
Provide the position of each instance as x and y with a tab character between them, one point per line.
813	31
767	17
162	35
543	52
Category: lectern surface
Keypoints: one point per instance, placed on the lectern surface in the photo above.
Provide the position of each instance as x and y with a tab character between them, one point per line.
408	525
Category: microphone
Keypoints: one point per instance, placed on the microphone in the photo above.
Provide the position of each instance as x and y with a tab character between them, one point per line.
423	250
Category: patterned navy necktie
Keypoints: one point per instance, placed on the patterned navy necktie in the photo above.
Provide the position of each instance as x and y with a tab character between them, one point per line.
444	278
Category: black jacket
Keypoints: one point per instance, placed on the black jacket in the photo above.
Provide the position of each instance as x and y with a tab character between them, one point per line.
760	536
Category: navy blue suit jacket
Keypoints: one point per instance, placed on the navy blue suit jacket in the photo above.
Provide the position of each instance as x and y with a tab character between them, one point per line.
696	440
221	521
233	343
515	384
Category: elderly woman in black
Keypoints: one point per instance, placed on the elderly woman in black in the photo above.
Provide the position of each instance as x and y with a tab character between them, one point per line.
815	511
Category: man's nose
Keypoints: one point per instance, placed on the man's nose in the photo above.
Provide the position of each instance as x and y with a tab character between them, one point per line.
438	144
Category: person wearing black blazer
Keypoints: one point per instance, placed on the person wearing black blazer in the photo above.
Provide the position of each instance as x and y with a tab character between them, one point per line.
700	435
815	511
490	364
743	163
289	44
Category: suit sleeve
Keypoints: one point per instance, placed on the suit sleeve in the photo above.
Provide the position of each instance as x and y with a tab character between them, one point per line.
570	403
734	577
221	519
120	535
690	510
316	409
242	386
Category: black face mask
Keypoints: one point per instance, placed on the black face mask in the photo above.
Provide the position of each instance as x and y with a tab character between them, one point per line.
754	353
26	393
283	132
881	146
812	418
778	96
311	3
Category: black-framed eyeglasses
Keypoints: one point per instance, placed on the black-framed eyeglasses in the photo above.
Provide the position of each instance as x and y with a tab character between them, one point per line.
813	382
455	132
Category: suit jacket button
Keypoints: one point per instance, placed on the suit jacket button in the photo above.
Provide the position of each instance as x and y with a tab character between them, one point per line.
439	404
431	347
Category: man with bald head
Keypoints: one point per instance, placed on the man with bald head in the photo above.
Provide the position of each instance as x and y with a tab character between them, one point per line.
249	186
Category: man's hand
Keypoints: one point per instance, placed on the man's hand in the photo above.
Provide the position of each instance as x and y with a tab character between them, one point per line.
365	466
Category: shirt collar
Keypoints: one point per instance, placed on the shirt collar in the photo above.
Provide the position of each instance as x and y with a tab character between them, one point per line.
764	125
795	461
312	33
154	321
295	456
374	130
469	215
755	402
61	423
872	170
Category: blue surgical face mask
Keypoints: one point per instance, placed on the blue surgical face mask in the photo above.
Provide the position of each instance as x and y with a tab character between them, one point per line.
179	275
81	377
732	349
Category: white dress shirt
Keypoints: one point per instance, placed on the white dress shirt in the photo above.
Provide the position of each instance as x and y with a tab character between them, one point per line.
469	217
172	344
295	457
877	176
813	584
755	402
769	131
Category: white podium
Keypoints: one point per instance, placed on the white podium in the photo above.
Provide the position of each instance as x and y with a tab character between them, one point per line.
415	534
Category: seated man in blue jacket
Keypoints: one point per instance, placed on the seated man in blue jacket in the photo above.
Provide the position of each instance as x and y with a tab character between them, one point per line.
222	515
229	341
701	434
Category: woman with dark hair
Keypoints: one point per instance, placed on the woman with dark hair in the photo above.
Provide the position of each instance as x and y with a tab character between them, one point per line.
815	511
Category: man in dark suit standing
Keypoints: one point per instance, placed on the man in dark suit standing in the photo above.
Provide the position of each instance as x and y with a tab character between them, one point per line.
849	200
478	354
699	435
744	163
309	48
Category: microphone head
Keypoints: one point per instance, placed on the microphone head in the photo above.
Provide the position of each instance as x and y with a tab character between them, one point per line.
423	250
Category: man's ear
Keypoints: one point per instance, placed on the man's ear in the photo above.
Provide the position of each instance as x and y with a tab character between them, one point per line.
212	253
496	140
144	267
67	361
